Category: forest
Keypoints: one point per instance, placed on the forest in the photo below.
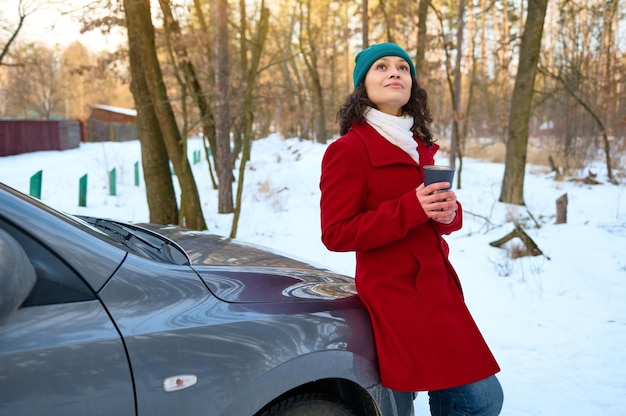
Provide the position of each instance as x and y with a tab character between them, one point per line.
516	81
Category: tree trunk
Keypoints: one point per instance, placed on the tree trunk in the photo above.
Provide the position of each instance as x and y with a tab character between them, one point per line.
607	97
422	40
455	148
365	31
502	95
138	14
222	113
209	133
512	191
297	83
155	162
310	56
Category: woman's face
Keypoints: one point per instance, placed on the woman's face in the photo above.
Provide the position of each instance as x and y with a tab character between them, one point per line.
388	84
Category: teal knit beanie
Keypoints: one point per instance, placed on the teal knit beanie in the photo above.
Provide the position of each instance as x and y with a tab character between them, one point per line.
364	59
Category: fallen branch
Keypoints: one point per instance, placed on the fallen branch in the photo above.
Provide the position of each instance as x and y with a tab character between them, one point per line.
590	179
531	247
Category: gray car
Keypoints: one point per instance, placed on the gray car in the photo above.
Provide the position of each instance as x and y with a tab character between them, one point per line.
100	317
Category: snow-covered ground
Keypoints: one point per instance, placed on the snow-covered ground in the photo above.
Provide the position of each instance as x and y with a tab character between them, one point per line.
556	322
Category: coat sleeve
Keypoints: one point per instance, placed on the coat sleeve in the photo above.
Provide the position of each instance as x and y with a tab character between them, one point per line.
347	223
454	225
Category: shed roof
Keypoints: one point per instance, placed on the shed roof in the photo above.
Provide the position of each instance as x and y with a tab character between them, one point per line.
112	109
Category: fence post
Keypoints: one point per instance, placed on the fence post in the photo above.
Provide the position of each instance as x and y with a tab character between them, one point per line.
136	173
35	185
82	191
561	209
112	181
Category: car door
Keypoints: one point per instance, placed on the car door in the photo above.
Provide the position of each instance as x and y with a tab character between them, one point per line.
60	354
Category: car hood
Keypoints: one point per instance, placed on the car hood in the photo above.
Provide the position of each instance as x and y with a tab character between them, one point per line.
240	272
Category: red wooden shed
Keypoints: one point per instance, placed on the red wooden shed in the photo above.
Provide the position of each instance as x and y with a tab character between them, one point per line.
108	123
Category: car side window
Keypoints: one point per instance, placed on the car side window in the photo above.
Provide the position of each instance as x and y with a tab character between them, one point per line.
56	282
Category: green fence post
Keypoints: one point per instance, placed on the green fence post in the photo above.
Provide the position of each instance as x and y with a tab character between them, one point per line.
82	191
112	188
136	173
35	185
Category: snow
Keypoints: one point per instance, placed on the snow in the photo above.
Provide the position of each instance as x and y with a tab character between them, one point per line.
556	323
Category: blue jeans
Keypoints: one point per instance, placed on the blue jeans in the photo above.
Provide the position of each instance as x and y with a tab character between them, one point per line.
482	398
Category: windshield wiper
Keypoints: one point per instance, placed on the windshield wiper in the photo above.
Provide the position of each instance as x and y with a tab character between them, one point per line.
141	241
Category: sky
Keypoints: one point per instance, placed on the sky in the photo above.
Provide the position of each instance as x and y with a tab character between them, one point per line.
55	22
556	323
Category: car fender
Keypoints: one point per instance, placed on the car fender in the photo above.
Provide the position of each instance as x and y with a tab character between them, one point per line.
302	370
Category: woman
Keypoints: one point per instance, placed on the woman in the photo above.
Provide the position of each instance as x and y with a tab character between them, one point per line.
374	202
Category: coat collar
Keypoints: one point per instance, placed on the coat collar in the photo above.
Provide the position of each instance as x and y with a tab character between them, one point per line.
382	153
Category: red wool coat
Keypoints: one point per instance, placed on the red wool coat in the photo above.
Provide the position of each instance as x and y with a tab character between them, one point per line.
425	336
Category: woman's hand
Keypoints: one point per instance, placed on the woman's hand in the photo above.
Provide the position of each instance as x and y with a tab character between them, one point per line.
438	204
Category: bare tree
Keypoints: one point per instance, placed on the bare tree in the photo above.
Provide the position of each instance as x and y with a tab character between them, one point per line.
92	79
24	9
512	191
453	75
142	43
37	85
455	147
309	39
606	75
251	70
501	91
594	115
291	110
160	193
190	80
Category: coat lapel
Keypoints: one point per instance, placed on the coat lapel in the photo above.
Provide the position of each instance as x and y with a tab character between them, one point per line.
382	153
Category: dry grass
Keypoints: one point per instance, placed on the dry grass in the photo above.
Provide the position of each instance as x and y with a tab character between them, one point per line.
495	151
270	193
486	150
540	149
517	250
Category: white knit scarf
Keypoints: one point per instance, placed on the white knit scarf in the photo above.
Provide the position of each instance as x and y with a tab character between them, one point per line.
397	130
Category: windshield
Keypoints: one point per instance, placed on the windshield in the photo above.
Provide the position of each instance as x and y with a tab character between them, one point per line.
128	237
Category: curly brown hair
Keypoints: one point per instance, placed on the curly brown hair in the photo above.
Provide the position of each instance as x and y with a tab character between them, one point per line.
354	106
